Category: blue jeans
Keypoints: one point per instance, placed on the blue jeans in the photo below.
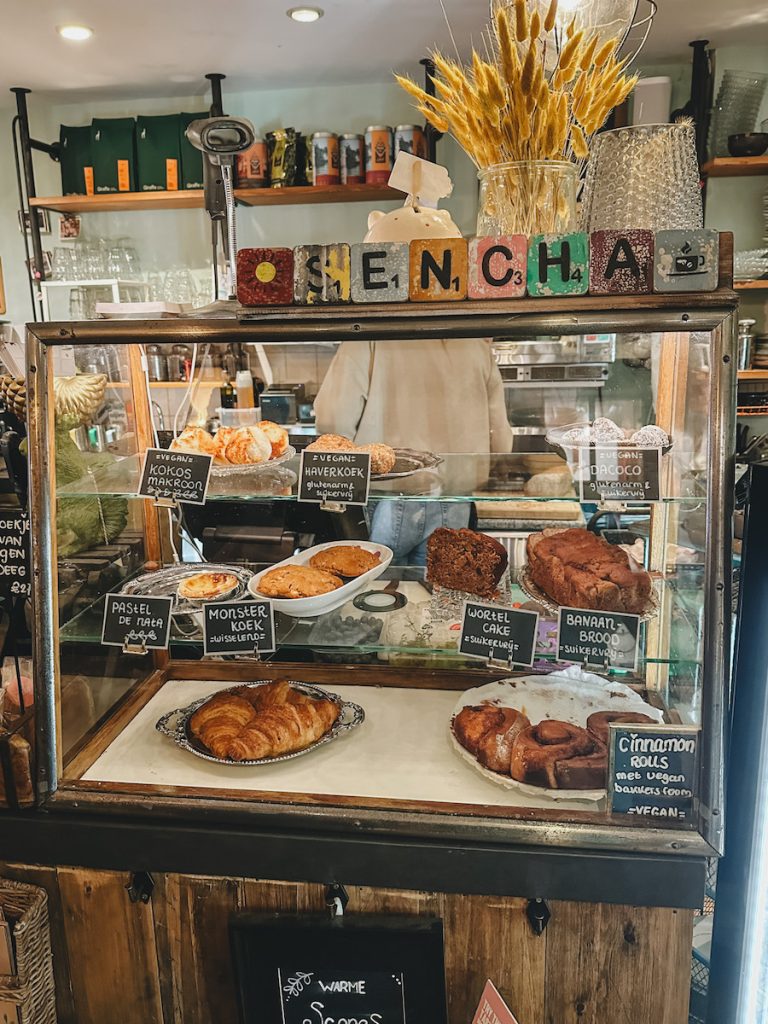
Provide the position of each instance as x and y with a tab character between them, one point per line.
405	526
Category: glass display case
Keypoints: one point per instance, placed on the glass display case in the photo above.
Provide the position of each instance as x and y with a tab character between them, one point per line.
114	733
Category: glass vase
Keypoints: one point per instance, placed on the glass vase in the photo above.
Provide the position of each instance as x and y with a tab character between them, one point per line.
527	197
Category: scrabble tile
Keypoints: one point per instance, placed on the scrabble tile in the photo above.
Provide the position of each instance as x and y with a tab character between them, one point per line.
265	277
321	274
620	262
497	267
686	261
438	269
380	272
558	265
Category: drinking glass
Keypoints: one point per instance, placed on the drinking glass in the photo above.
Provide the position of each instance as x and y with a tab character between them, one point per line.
179	286
646	176
736	108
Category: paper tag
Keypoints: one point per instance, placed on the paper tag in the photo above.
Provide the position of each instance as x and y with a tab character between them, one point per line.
491	631
420	178
15	565
598	638
88	176
239	627
618	473
123	176
653	770
172	175
492	1009
175	476
343	477
140	622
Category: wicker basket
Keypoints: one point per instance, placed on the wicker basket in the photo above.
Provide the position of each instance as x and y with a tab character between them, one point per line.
32	987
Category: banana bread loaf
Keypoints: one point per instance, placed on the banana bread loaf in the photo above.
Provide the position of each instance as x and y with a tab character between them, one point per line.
578	569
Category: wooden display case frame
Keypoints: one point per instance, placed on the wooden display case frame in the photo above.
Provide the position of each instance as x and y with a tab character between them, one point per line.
675	315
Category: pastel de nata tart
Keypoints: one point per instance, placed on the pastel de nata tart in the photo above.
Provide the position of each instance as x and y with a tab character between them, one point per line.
207	586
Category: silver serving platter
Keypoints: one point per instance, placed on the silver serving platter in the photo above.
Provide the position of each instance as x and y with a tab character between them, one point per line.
249	468
571	451
530	589
175	724
408	461
165	583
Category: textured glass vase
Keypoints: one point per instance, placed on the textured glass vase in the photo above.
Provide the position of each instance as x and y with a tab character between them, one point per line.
527	198
646	176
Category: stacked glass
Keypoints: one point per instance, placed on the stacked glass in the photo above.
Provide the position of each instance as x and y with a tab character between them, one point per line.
736	108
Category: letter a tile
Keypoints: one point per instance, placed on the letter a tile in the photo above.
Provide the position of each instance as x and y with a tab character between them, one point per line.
438	269
322	274
620	262
497	267
380	272
558	265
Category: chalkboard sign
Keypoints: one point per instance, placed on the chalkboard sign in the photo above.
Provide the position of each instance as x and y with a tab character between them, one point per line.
367	969
15	571
654	770
618	473
341	477
140	622
376	997
169	477
238	627
597	638
499	633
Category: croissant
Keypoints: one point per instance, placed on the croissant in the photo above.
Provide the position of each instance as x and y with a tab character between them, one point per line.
253	723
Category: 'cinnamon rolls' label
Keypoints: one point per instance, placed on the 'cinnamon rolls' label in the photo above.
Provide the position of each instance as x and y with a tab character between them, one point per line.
653	770
495	633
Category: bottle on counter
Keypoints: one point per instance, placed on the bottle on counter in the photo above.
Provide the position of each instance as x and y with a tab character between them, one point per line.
227	393
244	389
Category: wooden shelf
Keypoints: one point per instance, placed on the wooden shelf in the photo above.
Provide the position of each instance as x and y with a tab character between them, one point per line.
735	166
314	194
753	374
116	202
749	286
192	199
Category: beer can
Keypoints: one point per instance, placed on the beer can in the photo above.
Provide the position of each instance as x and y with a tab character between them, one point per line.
352	159
251	166
378	154
325	158
410	138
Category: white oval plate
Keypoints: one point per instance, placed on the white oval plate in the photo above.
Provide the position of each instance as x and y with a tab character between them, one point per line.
301	607
568	696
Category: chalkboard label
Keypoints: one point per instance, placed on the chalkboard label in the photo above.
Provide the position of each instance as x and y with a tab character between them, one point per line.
490	631
175	476
653	770
597	638
320	997
342	477
618	473
15	572
141	622
239	627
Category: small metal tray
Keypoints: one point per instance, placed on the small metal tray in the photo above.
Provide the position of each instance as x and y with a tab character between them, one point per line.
165	583
571	451
251	468
530	589
175	724
408	461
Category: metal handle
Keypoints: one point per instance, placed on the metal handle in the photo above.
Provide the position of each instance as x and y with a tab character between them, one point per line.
351	716
176	730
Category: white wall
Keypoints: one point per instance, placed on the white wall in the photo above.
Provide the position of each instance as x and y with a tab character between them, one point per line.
164	238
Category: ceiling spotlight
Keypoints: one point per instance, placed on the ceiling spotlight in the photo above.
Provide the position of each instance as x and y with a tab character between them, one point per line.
305	14
76	33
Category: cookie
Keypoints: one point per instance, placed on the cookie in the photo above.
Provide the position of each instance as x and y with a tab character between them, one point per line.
346	560
383	457
331	443
294	581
